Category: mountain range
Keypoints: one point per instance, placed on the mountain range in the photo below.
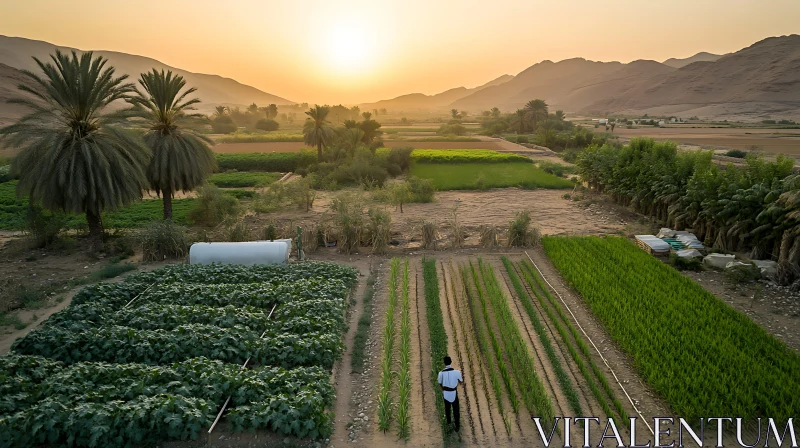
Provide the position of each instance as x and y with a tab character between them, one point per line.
758	81
17	53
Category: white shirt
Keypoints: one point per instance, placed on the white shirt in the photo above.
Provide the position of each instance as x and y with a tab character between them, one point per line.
450	379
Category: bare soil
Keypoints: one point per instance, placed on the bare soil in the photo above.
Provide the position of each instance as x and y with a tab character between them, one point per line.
772	141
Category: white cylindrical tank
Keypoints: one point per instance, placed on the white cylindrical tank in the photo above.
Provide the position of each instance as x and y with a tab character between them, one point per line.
246	253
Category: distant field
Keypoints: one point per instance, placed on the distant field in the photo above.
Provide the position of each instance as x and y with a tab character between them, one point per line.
243	179
476	176
496	146
773	141
228	148
260	137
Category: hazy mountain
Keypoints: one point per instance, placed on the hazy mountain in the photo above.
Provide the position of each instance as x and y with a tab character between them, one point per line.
419	101
762	78
558	82
699	57
10	78
213	90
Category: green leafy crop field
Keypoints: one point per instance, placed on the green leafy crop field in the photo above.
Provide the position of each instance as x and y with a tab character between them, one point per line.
465	156
703	356
109	371
476	176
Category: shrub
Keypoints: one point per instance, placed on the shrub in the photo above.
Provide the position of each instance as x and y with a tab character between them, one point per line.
301	193
44	226
348	217
422	190
557	169
161	240
213	206
380	223
737	153
271	199
5	173
223	125
685	264
522	139
452	129
429	235
401	156
266	124
400	194
520	232
743	274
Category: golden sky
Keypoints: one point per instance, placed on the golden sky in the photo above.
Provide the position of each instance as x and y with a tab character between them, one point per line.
352	51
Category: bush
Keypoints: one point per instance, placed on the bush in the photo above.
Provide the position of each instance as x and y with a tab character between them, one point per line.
556	168
301	193
401	156
520	233
743	274
685	264
452	129
380	223
267	124
5	173
213	206
282	162
223	125
422	190
737	153
161	240
349	220
44	226
522	139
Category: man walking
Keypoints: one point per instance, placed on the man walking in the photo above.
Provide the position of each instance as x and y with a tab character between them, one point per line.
449	378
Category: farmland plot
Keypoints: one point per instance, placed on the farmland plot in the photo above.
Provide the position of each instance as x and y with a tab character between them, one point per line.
155	357
521	356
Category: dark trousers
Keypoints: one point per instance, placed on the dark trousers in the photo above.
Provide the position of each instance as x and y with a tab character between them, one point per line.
454	405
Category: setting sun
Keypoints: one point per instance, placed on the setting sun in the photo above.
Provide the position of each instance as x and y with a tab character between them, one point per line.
349	49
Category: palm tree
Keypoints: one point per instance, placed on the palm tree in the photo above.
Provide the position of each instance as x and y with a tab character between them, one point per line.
182	160
220	110
454	113
518	120
495	112
366	115
72	156
537	111
317	131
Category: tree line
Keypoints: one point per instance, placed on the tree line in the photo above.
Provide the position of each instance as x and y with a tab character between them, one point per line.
753	206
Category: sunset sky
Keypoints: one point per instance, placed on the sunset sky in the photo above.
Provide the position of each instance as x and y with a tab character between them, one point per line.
349	51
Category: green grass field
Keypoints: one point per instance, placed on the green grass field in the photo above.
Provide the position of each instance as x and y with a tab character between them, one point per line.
243	179
477	176
13	212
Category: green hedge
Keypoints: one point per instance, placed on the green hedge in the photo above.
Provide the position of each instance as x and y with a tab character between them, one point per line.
282	162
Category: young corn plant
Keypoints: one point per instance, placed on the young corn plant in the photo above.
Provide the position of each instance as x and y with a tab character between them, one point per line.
385	394
405	360
436	331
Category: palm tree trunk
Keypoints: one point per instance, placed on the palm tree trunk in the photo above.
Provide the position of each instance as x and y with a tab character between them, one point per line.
319	152
167	204
95	222
788	258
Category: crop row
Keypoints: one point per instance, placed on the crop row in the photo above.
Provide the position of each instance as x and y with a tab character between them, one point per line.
84	403
385	394
465	156
160	316
258	295
281	162
561	375
482	333
522	365
669	324
233	345
222	273
436	330
560	320
404	377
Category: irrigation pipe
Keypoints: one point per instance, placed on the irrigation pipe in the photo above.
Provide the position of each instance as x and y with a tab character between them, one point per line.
140	294
591	342
244	366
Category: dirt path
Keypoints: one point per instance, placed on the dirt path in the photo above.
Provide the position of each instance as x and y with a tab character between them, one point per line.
346	407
